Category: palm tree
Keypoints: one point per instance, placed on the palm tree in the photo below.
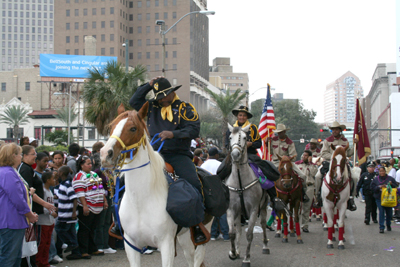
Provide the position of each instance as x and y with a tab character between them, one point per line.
63	114
226	103
106	90
15	116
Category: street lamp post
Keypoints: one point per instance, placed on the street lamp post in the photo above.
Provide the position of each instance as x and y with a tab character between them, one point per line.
163	32
126	44
69	115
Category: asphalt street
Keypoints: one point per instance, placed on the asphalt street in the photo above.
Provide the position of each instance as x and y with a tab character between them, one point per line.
365	246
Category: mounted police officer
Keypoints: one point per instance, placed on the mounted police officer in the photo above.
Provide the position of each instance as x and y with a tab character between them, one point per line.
282	145
177	123
253	143
336	139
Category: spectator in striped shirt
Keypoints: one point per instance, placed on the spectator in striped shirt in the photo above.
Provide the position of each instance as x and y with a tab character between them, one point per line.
91	201
67	205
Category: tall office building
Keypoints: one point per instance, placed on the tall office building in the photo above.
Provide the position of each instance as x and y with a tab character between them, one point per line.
27	31
111	22
340	98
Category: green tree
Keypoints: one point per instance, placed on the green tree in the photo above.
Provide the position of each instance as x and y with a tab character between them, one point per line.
62	115
226	103
256	109
106	90
299	120
210	126
15	116
58	137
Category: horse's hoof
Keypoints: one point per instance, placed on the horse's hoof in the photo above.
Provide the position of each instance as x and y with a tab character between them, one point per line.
333	238
318	219
292	234
299	241
277	235
245	264
285	240
340	247
265	251
325	229
233	256
330	246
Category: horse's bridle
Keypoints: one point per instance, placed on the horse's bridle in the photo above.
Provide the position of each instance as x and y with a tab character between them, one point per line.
127	149
237	145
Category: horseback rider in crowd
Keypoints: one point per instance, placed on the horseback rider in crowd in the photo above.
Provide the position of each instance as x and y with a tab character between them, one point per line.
313	147
336	139
177	123
282	145
242	115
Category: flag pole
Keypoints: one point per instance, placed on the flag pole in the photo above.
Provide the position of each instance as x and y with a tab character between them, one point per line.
269	148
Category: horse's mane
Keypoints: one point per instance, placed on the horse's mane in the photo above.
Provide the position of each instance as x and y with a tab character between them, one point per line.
235	130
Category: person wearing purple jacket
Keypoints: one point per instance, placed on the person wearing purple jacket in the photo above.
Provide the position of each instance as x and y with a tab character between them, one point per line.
15	211
377	184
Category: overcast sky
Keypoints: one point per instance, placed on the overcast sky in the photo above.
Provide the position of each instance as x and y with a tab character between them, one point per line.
299	47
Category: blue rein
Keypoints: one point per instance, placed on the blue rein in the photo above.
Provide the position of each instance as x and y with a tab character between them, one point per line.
118	190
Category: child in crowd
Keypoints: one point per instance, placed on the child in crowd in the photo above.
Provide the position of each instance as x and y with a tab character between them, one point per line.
67	206
41	163
46	222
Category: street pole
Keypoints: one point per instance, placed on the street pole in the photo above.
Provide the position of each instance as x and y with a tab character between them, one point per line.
69	114
163	48
126	56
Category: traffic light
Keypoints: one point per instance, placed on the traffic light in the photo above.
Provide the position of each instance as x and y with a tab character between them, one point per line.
391	152
321	130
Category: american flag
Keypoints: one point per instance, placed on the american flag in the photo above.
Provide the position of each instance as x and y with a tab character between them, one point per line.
267	124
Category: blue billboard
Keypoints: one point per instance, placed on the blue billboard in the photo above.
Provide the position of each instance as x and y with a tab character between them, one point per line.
71	66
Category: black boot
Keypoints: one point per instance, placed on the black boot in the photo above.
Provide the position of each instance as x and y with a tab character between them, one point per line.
199	236
351	205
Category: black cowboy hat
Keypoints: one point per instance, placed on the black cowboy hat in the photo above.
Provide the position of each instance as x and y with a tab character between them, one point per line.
162	87
242	109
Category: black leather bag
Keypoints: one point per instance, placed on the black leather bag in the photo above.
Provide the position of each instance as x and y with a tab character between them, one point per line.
216	194
225	169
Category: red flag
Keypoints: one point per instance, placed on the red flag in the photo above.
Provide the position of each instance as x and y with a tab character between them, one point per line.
363	146
267	124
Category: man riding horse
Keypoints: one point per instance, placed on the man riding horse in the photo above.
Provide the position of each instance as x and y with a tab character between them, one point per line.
336	139
282	145
253	143
177	123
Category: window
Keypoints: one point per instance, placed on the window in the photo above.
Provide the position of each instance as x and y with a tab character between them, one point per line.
111	50
130	4
76	52
157	67
103	51
148	55
147	16
139	55
147	29
130	55
111	10
85	25
112	37
67	39
157	41
174	15
174	54
92	133
130	43
103	10
111	24
156	16
103	37
27	86
130	29
165	15
3	87
93	24
165	2
130	17
139	17
67	27
67	13
94	11
174	67
85	11
103	24
174	41
67	52
139	4
76	39
157	55
76	25
147	3
76	12
139	29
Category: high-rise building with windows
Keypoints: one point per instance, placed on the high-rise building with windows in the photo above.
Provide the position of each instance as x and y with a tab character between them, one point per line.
340	98
27	30
111	22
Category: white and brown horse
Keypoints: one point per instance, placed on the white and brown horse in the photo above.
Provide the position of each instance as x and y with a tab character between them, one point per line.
335	193
143	214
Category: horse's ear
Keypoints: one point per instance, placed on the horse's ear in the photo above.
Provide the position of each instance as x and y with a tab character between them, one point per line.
279	157
291	158
230	127
143	111
246	129
333	147
121	109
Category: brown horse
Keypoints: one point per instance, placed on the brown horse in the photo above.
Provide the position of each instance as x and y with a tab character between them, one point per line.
289	190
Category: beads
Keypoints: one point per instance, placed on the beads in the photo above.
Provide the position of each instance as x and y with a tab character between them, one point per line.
95	181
